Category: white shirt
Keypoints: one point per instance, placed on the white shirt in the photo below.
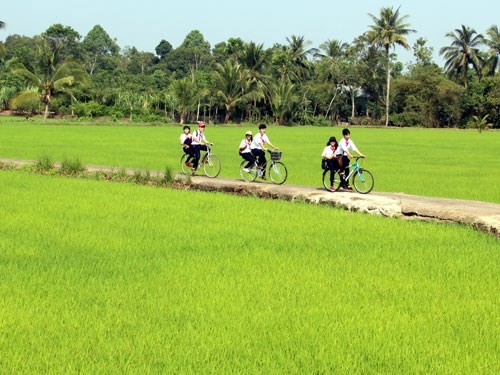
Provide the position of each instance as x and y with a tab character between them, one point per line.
344	146
198	137
259	140
328	152
184	136
243	144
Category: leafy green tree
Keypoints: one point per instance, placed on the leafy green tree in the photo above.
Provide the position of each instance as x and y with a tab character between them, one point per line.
163	49
51	76
389	30
422	53
197	50
65	39
463	53
98	46
493	42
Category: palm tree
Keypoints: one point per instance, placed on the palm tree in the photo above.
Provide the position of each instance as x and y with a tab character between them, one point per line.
388	31
297	53
2	25
462	53
230	85
254	60
493	41
53	76
480	123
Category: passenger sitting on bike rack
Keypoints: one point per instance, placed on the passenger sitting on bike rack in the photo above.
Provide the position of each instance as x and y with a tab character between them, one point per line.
186	139
331	160
199	144
258	148
345	145
245	151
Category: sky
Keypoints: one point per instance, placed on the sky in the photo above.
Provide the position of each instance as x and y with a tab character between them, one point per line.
143	24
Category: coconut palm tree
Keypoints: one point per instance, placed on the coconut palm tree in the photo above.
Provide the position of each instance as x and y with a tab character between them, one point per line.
389	30
254	60
493	41
52	76
463	53
231	85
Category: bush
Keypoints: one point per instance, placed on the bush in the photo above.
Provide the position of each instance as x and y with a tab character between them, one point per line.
71	167
44	164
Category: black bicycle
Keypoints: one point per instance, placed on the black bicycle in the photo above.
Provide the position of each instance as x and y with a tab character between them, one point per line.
209	162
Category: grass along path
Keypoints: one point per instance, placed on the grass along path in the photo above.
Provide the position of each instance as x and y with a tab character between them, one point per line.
120	278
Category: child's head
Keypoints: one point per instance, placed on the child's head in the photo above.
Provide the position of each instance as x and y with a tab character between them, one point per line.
187	129
262	128
332	142
346	133
201	125
248	135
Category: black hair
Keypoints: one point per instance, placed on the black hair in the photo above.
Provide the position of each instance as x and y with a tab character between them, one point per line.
332	139
262	126
346	131
186	127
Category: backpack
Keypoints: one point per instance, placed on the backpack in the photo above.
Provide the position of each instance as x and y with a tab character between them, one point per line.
324	164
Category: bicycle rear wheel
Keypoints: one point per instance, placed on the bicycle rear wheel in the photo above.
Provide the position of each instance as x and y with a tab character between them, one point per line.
326	180
211	165
249	176
278	173
186	169
363	181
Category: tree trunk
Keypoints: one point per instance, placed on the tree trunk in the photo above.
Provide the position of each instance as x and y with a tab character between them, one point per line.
388	89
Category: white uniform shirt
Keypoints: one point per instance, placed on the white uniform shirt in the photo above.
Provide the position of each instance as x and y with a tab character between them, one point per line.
328	152
243	144
259	140
198	137
184	136
344	146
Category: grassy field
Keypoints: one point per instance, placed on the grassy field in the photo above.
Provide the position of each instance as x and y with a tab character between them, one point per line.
116	278
433	162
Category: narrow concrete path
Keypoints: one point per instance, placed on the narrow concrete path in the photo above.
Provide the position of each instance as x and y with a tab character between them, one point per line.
484	216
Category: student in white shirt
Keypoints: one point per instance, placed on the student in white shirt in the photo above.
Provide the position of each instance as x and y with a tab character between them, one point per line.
199	144
345	145
186	139
259	149
331	160
245	150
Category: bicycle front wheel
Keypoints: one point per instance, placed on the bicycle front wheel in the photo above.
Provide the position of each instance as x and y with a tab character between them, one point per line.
249	174
278	173
186	169
363	181
327	181
211	166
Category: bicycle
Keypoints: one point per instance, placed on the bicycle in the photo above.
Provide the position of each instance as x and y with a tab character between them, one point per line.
211	164
277	171
362	179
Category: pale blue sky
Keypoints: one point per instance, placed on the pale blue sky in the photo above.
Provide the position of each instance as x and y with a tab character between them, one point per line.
143	24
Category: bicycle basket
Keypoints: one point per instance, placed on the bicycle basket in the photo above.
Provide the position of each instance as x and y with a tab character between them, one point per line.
276	155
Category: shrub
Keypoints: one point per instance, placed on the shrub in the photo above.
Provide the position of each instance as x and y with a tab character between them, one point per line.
71	167
44	164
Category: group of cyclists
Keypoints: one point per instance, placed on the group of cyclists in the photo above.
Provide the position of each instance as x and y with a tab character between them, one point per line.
253	150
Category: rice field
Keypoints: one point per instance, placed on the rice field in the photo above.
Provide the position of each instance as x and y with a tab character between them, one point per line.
117	278
431	162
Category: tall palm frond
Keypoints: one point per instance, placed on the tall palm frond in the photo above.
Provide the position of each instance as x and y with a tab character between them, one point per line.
463	53
493	42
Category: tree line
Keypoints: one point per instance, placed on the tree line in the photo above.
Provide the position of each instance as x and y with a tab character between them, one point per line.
361	82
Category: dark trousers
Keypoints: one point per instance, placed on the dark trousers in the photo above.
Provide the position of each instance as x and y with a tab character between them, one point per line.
196	153
248	157
345	169
261	159
189	151
333	166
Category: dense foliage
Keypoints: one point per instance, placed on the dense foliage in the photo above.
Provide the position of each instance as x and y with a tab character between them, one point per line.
240	81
